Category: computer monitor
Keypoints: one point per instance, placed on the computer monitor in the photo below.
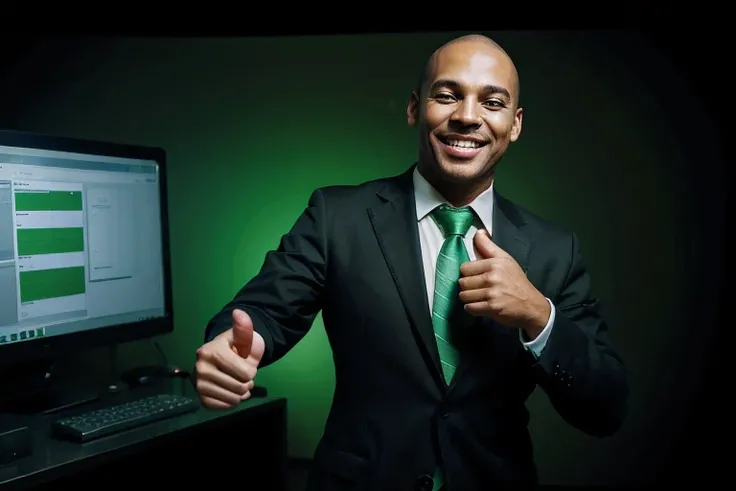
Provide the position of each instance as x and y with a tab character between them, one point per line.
84	251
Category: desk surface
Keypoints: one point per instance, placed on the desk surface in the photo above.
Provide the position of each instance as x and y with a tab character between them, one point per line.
54	459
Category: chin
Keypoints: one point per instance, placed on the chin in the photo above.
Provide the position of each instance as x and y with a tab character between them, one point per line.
461	169
462	172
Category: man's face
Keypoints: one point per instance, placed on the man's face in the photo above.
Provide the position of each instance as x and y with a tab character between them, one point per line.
467	112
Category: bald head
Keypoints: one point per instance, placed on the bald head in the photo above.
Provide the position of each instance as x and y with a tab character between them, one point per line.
472	42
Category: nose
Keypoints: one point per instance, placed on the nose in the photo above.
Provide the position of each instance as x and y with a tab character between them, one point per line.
467	112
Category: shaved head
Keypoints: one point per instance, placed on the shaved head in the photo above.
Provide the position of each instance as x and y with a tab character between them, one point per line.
477	39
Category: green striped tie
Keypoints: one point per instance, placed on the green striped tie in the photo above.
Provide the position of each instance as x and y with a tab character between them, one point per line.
454	224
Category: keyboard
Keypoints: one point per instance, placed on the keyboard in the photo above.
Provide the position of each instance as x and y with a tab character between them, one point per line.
124	416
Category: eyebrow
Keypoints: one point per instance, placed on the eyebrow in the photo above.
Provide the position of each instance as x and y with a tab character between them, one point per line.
450	84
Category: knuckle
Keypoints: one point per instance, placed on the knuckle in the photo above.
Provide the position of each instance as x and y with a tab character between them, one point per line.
200	385
210	403
200	367
215	357
204	352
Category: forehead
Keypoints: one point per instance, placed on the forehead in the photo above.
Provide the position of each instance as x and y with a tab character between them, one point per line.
473	65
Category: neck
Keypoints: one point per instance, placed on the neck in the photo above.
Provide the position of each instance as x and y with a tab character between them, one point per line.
458	194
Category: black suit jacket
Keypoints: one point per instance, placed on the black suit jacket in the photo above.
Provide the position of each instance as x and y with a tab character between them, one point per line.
354	254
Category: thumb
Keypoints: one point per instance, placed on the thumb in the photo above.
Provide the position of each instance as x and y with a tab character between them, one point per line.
242	333
485	247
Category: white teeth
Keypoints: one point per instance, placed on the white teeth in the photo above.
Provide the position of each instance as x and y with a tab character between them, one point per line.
463	144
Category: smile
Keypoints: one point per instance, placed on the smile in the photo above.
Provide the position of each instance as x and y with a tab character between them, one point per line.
461	148
463	144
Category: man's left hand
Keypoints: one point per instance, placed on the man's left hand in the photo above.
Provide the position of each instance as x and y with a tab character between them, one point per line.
494	285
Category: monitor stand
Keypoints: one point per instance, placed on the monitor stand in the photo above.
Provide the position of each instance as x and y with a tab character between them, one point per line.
32	389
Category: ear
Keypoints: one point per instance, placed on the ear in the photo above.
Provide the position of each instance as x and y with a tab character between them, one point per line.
412	110
516	128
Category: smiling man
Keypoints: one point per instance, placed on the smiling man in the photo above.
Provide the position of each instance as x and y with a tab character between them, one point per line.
445	305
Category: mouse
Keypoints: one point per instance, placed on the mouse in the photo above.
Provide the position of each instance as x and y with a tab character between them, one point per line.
148	375
114	388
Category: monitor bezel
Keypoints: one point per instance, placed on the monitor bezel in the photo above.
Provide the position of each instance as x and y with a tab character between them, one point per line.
53	347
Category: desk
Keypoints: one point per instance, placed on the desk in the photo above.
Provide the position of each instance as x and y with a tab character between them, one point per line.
232	445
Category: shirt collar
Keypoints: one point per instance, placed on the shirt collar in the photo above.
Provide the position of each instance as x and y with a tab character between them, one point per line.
427	199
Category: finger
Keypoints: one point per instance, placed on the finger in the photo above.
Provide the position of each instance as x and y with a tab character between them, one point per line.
475	282
222	379
474	296
485	247
247	393
214	403
227	361
242	333
479	266
476	308
215	399
207	389
239	369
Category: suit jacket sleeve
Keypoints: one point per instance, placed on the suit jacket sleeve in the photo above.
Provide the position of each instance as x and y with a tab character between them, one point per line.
578	369
284	298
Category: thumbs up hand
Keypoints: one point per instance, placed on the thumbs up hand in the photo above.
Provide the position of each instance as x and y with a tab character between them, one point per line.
494	285
226	367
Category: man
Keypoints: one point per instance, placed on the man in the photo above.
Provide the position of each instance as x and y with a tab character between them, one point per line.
444	304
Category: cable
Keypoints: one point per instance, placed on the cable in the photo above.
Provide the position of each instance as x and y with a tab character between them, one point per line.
164	360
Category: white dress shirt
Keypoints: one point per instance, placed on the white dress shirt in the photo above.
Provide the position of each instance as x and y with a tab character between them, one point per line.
431	239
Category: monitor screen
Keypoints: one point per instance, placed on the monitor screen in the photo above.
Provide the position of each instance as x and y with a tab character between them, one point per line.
80	242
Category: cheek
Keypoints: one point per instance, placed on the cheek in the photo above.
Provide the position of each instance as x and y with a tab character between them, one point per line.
500	125
436	116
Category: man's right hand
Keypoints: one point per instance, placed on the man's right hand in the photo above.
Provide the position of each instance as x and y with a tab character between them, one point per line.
226	366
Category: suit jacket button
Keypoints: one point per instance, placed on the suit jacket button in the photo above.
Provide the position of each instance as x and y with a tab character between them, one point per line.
423	483
444	409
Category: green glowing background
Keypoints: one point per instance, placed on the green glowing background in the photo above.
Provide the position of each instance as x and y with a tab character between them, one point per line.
252	126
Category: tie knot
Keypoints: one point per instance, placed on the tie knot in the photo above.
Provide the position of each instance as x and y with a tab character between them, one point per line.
451	220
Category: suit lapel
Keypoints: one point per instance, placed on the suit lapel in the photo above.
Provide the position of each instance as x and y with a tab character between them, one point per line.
395	225
507	233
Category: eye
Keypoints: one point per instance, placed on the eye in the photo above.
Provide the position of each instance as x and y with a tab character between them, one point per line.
444	97
495	104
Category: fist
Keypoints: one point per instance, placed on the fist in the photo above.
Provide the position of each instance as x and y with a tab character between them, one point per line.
226	367
495	286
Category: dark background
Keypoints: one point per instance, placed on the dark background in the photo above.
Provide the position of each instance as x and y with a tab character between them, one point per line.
622	142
